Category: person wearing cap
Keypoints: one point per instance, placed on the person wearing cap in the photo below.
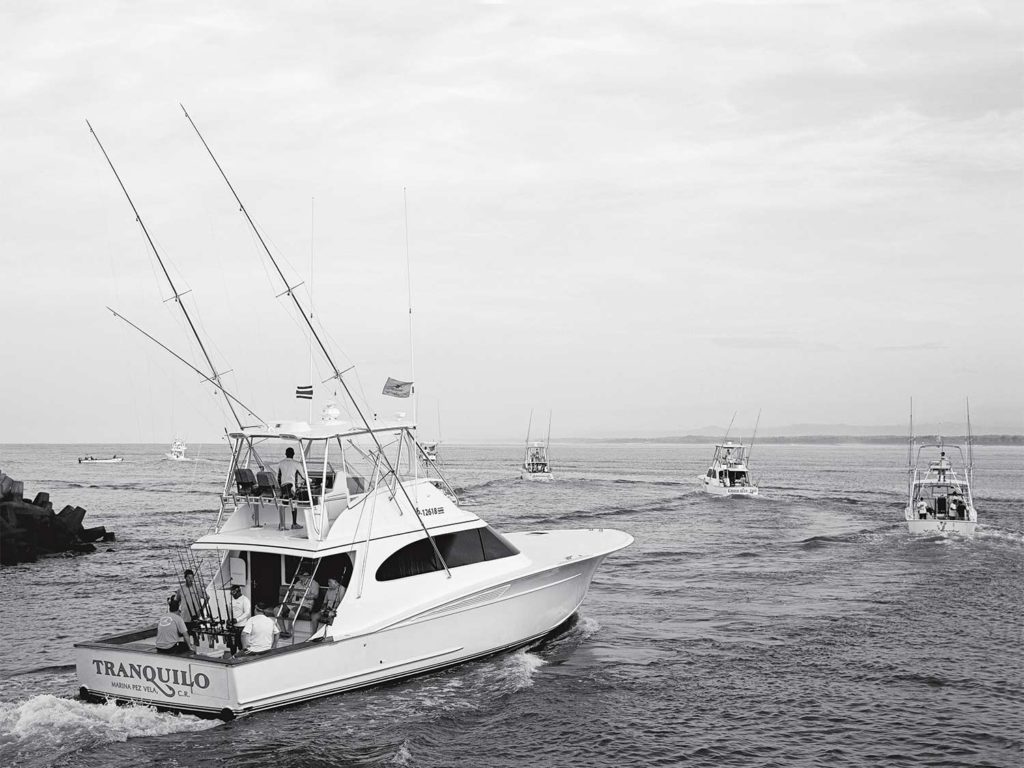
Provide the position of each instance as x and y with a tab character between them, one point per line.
241	608
260	632
171	632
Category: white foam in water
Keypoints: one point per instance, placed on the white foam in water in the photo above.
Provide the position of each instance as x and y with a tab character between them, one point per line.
51	724
517	670
403	756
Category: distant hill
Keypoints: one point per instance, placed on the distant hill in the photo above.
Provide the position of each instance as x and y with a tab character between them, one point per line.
809	439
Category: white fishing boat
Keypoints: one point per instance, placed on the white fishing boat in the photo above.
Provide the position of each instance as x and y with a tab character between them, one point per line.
728	474
939	500
177	451
115	459
429	451
535	462
414	582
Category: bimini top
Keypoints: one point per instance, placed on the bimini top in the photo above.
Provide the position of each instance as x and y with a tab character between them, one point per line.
301	430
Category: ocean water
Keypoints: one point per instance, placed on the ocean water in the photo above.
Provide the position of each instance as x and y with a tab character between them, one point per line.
802	628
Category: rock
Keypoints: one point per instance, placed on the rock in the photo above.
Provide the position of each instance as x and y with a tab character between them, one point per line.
30	529
92	534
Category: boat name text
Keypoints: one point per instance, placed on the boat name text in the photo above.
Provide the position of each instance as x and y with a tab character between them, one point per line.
432	511
162	678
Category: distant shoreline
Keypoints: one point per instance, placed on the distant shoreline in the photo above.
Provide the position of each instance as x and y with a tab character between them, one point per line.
810	440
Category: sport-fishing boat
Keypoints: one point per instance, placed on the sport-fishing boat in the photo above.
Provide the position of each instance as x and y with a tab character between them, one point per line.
414	582
940	501
429	451
115	459
177	452
728	474
535	463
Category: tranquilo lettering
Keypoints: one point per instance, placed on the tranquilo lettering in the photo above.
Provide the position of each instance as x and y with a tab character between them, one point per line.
162	677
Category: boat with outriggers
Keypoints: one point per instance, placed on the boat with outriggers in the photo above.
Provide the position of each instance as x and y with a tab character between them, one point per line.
430	451
177	451
426	583
536	465
940	500
729	474
415	582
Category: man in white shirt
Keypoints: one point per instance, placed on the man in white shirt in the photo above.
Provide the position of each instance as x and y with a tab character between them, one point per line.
241	608
289	470
260	632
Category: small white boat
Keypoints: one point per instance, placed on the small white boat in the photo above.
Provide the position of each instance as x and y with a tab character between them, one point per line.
177	452
115	459
535	463
429	451
728	474
939	501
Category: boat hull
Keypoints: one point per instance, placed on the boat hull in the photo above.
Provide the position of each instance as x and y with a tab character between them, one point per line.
736	490
501	617
535	476
961	527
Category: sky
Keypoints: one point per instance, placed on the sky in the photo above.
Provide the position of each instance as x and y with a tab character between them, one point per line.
641	217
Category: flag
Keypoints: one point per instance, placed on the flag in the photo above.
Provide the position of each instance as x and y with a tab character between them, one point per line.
396	388
304	392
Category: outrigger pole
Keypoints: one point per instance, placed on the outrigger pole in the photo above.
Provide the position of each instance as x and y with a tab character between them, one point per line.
753	437
176	296
727	431
290	291
970	449
206	378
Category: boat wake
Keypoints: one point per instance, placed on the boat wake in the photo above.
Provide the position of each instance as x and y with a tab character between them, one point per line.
39	730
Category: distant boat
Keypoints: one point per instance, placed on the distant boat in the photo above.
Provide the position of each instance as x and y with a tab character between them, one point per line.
939	501
536	465
115	459
430	451
177	452
728	474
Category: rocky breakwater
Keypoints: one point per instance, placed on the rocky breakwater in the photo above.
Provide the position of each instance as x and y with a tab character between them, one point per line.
31	529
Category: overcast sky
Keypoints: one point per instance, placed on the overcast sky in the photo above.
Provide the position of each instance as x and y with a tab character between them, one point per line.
642	216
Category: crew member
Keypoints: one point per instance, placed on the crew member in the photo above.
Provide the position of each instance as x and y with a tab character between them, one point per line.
171	632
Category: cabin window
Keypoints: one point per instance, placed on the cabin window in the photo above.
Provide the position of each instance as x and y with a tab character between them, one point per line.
460	548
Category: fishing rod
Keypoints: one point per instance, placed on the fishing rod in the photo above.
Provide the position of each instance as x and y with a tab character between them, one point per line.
176	295
174	354
290	291
181	591
529	426
188	594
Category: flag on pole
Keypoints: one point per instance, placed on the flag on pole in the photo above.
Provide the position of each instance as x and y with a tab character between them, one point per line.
304	392
396	388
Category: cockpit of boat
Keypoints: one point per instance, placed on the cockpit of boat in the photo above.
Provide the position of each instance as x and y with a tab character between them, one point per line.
940	500
730	477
